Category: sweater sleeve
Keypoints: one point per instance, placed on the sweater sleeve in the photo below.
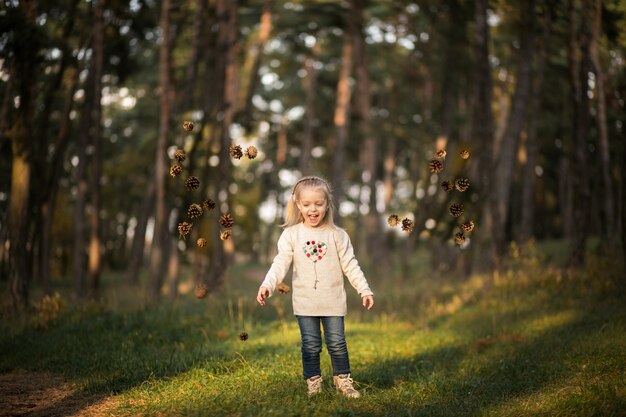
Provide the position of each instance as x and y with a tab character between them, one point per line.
350	265
280	264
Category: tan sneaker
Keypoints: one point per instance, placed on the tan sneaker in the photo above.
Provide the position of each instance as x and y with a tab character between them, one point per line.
343	383
314	385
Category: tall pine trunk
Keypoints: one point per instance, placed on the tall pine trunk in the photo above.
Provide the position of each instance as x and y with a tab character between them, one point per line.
605	149
505	159
95	241
376	247
483	252
579	71
227	47
159	255
342	111
310	90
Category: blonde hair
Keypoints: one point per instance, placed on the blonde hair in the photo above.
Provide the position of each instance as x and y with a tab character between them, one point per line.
292	213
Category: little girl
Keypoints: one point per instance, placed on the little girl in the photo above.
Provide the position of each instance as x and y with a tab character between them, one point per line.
321	254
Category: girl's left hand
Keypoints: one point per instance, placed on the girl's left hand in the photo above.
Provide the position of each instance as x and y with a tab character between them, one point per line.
368	301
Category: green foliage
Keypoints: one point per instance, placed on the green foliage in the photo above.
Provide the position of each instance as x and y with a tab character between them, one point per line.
536	340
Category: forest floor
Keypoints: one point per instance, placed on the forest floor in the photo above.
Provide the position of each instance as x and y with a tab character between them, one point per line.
34	394
534	340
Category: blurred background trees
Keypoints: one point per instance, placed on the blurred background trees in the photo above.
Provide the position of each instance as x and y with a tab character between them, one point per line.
93	96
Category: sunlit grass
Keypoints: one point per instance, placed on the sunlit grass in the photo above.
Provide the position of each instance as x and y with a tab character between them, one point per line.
534	340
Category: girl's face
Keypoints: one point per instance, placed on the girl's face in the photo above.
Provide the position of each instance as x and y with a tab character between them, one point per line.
312	204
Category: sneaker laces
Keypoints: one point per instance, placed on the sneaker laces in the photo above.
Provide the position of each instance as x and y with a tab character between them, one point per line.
345	383
314	384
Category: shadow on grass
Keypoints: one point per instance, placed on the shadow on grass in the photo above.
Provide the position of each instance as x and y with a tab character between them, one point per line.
473	379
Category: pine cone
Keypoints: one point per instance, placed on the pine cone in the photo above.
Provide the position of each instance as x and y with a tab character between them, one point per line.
184	228
180	155
468	226
192	183
447	186
464	154
225	235
461	184
435	166
201	290
441	154
459	238
194	211
283	288
208	204
235	151
201	242
407	225
188	126
243	336
251	152
227	221
456	209
393	220
175	170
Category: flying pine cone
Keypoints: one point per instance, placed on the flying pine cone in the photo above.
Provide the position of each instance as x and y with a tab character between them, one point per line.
435	166
188	126
175	170
456	209
407	225
192	183
227	221
194	211
235	151
251	152
180	155
393	220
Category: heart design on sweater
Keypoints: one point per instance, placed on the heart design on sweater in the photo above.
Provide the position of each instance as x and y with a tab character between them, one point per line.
314	250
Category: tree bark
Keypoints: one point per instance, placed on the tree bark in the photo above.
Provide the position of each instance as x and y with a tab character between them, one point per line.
579	80
376	247
227	45
22	146
310	89
52	184
505	160
605	151
139	238
256	54
341	118
95	241
159	255
483	253
528	176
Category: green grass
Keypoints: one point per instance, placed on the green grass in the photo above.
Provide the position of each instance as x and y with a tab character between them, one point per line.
536	340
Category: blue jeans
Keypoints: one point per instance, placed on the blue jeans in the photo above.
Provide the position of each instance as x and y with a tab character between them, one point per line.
312	344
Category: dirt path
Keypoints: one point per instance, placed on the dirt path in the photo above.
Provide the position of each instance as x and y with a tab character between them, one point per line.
42	394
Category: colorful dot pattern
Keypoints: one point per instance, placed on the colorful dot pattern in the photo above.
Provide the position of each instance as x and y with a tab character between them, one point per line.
314	250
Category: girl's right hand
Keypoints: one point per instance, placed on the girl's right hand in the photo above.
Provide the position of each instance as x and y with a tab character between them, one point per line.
262	295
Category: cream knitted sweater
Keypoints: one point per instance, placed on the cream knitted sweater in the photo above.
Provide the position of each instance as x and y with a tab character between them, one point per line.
321	256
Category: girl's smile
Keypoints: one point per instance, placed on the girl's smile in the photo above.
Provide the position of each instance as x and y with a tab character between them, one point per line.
312	205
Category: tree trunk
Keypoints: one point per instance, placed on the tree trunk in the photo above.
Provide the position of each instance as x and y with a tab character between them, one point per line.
605	151
342	111
505	160
256	53
376	247
52	185
483	252
139	238
528	175
310	89
227	45
81	194
579	80
23	70
95	241
158	260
